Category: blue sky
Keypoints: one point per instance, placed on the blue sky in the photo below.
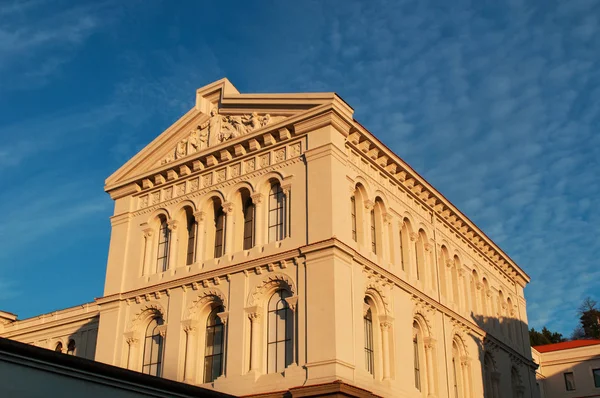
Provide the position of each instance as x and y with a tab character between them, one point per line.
496	103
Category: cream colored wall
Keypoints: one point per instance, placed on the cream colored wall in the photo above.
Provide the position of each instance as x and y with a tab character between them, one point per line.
78	323
552	366
319	156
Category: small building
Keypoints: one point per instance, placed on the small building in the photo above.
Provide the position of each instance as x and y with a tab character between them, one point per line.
568	369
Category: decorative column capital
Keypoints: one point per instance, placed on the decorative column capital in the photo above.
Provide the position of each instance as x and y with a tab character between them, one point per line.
189	327
369	204
254	313
479	285
414	236
427	246
227	207
257	198
162	330
465	361
488	293
429	343
387	218
223	316
449	263
292	302
199	216
131	339
172	225
385	322
286	189
148	232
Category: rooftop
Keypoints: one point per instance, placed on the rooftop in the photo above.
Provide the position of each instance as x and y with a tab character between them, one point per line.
565	345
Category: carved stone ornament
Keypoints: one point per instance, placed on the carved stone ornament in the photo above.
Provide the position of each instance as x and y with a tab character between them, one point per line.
215	130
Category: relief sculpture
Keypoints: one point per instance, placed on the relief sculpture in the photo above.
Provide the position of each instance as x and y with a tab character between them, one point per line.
216	130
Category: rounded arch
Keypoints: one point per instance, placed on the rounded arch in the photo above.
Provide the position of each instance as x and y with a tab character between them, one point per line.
263	185
205	299
232	191
147	311
459	340
380	301
268	285
408	222
421	320
361	182
211	196
156	214
381	196
183	204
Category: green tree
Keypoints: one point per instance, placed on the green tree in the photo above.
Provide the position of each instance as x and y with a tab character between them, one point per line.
544	337
589	315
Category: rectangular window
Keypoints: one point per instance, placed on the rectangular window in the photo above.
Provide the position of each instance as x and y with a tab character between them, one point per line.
373	234
596	373
353	213
249	226
162	260
569	381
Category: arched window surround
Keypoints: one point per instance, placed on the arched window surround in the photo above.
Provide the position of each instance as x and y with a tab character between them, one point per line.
153	347
71	347
424	351
381	340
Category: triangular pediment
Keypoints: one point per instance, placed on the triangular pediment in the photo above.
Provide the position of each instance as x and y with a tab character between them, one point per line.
220	116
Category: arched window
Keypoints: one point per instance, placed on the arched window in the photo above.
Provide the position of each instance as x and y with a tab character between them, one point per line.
353	217
514	382
71	347
455	282
373	233
59	347
153	348
249	210
192	233
280	332
489	379
219	231
474	281
456	371
401	247
369	355
213	352
484	302
417	355
164	236
277	216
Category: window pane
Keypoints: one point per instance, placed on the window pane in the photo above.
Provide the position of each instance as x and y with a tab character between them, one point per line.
272	358
281	327
208	369
596	373
569	381
280	356
272	327
216	367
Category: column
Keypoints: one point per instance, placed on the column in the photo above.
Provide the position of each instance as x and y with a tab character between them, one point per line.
385	323
259	219
200	216
132	354
415	274
224	316
465	363
229	229
387	240
191	332
148	232
428	266
496	384
287	189
292	303
172	225
255	319
429	345
366	227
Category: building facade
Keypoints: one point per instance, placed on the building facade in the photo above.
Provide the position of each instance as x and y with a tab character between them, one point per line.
568	369
266	242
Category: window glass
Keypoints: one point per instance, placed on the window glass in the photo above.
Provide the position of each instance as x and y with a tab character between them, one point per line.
353	215
249	225
369	360
213	353
596	373
162	260
153	348
280	332
569	381
277	219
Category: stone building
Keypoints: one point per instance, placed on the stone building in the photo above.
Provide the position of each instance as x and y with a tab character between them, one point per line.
268	242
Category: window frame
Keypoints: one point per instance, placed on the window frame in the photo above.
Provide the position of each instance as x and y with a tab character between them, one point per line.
277	216
154	339
596	377
373	233
353	218
192	230
219	246
249	232
71	347
217	328
288	334
368	343
567	386
164	241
